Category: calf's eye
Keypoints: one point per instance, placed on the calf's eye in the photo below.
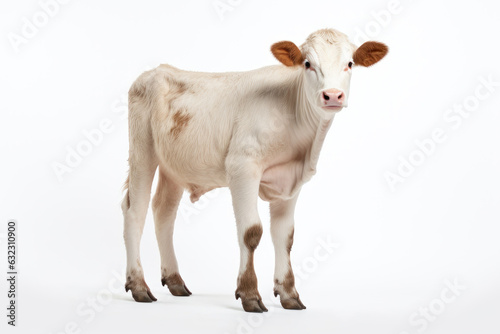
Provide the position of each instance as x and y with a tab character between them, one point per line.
307	64
350	64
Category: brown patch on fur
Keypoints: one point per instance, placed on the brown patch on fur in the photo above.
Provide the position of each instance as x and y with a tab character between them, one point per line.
176	285
287	286
247	282
252	237
180	119
175	90
287	53
370	53
180	87
290	242
289	281
174	279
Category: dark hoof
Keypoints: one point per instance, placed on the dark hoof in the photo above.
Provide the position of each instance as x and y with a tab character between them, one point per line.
253	305
179	290
140	291
143	296
292	304
176	286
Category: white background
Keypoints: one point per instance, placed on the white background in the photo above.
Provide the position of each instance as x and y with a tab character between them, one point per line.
396	248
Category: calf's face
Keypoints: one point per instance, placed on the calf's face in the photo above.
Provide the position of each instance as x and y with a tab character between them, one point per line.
327	59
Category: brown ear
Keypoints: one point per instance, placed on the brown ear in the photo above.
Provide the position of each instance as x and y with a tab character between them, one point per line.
370	53
287	53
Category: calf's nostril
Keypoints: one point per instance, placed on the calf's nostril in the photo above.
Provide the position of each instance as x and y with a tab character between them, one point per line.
341	96
326	97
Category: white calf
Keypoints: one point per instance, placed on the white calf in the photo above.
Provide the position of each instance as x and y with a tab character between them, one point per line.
258	132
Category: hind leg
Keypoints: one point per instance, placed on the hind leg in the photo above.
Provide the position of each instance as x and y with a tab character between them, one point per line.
135	206
165	203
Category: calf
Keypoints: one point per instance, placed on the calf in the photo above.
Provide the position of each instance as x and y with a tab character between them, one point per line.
258	132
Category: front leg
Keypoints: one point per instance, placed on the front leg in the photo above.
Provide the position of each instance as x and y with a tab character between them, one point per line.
244	185
282	230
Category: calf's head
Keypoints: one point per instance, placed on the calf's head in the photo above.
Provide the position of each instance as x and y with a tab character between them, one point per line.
327	59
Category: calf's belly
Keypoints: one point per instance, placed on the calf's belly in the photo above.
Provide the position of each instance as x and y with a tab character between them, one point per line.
197	166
